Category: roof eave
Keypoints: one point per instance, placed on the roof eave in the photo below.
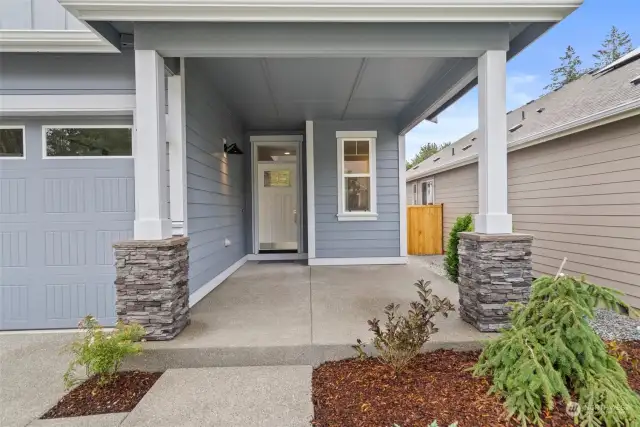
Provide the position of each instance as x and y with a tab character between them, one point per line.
323	10
620	112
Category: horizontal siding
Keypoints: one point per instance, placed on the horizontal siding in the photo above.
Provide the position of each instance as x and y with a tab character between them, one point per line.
580	198
215	184
457	190
68	73
335	239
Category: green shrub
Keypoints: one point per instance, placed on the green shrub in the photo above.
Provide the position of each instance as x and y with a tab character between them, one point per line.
100	352
404	335
451	259
552	352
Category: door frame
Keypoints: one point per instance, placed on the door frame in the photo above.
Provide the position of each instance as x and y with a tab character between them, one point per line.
433	186
294	141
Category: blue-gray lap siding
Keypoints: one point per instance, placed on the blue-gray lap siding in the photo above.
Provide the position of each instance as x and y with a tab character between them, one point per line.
354	239
215	184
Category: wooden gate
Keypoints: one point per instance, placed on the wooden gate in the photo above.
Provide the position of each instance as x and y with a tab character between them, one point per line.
424	228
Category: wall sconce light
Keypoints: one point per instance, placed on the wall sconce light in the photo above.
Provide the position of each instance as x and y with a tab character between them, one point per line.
231	148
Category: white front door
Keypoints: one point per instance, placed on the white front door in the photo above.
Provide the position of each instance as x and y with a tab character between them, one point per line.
278	206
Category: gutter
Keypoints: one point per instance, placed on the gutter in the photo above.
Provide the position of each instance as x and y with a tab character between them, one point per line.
619	112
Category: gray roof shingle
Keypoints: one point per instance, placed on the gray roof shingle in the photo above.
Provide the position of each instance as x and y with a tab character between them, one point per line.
589	95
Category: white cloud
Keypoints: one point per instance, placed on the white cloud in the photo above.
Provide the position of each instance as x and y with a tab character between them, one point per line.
462	117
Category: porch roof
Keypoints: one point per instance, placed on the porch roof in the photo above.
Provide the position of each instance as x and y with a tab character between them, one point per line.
376	59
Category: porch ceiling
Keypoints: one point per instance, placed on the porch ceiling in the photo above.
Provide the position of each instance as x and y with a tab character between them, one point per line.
281	93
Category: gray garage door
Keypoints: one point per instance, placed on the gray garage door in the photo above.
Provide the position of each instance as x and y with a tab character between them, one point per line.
62	205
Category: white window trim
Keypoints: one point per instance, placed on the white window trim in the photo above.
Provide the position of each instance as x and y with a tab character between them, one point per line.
24	142
72	126
357	216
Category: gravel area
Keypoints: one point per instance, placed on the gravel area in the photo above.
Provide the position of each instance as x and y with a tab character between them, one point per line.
434	263
613	326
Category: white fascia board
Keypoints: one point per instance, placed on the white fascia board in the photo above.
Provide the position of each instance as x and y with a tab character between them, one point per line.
26	105
323	10
54	41
620	112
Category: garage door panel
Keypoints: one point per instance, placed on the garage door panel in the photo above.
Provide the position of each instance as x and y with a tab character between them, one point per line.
69	298
14	304
58	221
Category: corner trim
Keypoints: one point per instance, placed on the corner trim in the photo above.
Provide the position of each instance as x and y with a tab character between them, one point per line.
311	192
402	189
53	41
204	290
359	261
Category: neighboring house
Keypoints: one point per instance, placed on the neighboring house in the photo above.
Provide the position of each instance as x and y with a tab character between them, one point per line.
260	129
573	177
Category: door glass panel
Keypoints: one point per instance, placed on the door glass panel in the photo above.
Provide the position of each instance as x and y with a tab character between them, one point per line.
357	194
277	214
424	193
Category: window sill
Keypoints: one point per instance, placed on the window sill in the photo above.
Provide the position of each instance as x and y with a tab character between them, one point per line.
363	216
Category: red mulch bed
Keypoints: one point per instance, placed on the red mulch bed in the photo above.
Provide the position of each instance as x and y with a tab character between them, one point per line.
120	395
436	386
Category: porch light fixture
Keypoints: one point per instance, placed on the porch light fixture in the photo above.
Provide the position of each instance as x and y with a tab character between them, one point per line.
232	148
286	153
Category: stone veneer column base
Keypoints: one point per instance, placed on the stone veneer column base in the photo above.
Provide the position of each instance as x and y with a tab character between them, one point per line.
152	286
494	269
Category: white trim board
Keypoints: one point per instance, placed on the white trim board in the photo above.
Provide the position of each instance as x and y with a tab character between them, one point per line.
276	257
27	105
205	289
323	10
402	189
50	41
359	261
276	138
311	192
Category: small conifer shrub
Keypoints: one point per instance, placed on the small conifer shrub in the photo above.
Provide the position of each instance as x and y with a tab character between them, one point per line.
451	259
551	352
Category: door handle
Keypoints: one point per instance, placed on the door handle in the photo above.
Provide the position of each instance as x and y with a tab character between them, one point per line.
295	216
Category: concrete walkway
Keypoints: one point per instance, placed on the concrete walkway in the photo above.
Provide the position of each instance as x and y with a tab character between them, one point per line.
31	369
292	314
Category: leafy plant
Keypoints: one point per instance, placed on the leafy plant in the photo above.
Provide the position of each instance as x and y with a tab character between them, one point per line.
404	335
100	352
451	259
552	352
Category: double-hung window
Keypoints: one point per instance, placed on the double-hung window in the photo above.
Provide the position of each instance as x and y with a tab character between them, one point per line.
357	176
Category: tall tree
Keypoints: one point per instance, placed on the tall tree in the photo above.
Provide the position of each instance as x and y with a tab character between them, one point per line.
617	44
426	151
569	70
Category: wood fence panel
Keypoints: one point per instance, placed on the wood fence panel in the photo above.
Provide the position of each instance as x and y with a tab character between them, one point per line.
424	228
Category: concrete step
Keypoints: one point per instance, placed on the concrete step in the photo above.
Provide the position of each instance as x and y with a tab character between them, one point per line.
163	356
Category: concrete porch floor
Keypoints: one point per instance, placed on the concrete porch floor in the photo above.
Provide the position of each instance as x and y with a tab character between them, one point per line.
293	314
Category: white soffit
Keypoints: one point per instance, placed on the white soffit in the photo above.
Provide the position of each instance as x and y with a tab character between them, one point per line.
323	10
54	41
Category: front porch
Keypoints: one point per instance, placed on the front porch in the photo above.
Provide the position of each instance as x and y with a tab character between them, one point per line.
291	314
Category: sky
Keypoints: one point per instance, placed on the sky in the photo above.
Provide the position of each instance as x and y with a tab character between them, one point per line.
530	71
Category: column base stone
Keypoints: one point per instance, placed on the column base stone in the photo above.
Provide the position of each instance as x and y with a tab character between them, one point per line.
152	285
494	270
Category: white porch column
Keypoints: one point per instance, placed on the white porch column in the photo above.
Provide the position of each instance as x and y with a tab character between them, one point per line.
492	154
176	135
150	156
